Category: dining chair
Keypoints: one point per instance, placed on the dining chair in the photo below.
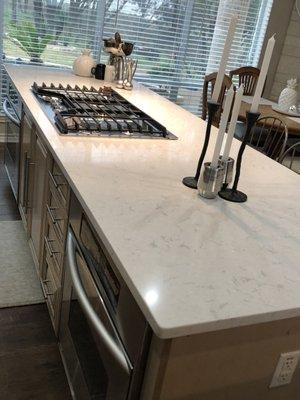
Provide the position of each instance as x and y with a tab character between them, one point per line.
291	158
208	87
269	136
247	76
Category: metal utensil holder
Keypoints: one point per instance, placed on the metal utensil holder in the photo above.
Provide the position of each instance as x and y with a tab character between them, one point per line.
130	68
211	181
120	69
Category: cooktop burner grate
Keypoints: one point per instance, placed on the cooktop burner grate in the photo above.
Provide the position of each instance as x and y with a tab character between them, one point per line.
97	112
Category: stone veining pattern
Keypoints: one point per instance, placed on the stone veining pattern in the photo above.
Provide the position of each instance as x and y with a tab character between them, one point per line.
193	265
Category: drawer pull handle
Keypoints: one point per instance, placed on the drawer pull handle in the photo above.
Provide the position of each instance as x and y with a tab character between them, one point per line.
52	177
53	180
25	187
54	220
28	203
45	288
27	164
57	187
50	212
49	248
59	184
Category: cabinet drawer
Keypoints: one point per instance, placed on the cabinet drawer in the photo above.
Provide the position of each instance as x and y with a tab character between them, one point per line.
59	184
52	293
58	216
53	247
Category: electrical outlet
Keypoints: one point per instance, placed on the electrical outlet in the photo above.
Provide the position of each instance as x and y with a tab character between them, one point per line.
285	369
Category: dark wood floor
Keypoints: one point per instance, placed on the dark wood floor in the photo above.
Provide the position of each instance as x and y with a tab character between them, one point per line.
30	363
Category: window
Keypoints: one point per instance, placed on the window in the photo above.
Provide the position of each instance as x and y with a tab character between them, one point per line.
52	31
177	42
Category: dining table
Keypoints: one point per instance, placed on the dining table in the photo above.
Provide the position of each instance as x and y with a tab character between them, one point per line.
266	110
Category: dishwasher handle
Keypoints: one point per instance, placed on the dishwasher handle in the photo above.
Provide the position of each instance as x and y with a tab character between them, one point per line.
6	106
110	344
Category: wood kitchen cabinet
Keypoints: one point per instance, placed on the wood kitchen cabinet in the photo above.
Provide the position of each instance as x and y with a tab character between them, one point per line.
40	185
34	161
26	177
54	240
52	288
44	203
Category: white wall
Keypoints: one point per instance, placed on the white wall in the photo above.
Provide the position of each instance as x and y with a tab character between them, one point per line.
289	62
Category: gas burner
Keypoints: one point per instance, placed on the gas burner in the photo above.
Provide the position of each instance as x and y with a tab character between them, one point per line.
96	112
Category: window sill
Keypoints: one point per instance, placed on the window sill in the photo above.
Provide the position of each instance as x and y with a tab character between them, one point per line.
20	61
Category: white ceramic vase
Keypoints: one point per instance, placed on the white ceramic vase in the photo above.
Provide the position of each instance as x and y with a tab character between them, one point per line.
288	97
110	73
83	64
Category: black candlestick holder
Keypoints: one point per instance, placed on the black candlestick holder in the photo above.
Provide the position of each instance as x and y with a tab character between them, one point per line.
212	108
233	194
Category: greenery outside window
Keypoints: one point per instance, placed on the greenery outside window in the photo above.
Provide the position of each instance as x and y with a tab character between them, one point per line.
177	42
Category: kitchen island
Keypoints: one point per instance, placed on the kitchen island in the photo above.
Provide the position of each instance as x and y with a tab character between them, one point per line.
218	282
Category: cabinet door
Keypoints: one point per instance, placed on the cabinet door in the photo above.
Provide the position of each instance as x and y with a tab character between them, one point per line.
52	292
38	200
26	170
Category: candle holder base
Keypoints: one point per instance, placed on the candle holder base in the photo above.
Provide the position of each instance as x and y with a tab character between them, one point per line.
190	182
233	195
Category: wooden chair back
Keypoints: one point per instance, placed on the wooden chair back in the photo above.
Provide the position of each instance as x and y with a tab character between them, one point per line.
247	76
269	136
291	158
208	87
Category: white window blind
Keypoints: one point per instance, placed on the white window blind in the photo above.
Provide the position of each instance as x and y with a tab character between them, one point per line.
52	31
177	42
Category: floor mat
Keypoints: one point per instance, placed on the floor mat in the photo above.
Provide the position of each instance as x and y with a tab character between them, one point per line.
19	284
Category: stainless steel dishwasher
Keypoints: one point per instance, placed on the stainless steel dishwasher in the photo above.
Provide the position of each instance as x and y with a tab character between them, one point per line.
104	337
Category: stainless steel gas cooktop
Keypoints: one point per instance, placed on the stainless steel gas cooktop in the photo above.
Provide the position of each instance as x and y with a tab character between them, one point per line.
96	112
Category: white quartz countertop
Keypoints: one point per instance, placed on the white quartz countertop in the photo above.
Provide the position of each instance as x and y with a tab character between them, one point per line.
193	265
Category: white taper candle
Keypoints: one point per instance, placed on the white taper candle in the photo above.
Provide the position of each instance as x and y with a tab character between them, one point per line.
222	128
233	121
262	74
224	59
